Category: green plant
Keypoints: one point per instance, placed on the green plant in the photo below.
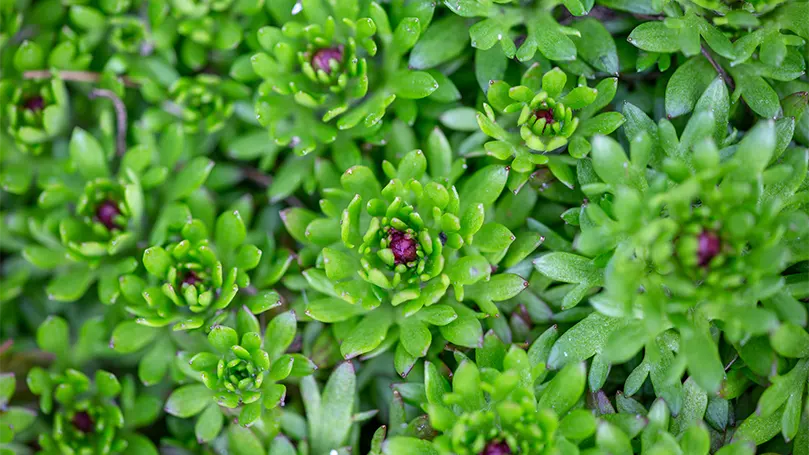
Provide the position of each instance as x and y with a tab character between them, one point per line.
458	227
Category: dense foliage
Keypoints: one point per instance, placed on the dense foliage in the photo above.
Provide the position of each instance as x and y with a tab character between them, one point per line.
404	227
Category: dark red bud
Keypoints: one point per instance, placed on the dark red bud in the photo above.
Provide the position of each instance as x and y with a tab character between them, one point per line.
106	213
547	114
83	422
191	278
322	57
34	103
403	246
709	246
496	448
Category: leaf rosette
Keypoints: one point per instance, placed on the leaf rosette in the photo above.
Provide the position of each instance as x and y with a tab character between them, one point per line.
35	112
542	115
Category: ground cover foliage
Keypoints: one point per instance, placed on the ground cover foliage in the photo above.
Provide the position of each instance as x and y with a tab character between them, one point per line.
404	227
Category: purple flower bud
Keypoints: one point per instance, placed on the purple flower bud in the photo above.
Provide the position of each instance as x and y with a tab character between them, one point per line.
323	56
403	246
106	213
709	246
34	103
547	114
496	448
191	278
83	422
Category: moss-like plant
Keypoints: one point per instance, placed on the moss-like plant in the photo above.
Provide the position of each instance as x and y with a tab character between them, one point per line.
434	227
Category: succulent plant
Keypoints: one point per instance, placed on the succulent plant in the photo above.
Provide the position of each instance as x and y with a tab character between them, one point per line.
205	102
333	227
316	77
537	118
84	415
13	419
35	112
692	236
193	279
239	375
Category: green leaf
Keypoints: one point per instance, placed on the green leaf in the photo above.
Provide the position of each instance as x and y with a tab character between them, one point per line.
585	339
715	100
758	429
704	363
565	389
404	445
250	413
53	336
188	400
447	92
107	384
578	7
695	403
604	123
596	46
222	338
413	84
369	333
71	285
493	238
610	439
7	385
655	36
467	385
502	286
332	309
156	362
551	42
229	234
412	166
242	441
484	186
403	362
139	445
759	95
444	40
336	408
568	268
87	155
279	334
29	56
296	220
281	446
157	261
623	344
687	84
129	336
460	119
490	66
464	331
289	177
262	301
15	420
755	150
415	337
468	8
190	177
579	424
790	340
609	160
